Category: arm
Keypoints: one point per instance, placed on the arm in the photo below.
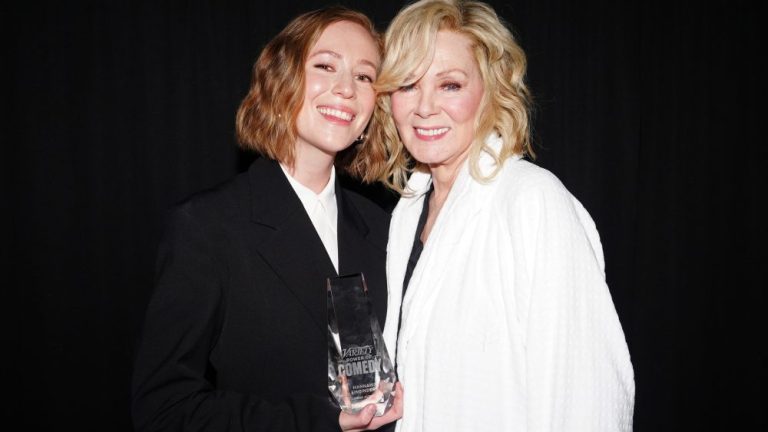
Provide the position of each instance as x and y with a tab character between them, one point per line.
579	375
172	384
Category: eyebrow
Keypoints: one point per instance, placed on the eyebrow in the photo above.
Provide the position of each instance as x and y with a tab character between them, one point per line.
338	56
410	77
332	53
449	71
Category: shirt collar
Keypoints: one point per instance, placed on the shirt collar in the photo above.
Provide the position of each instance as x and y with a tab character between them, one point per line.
308	198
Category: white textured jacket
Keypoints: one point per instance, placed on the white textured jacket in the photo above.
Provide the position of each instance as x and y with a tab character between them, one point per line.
508	324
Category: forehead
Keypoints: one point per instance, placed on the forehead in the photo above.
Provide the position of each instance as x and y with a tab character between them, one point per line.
349	40
453	50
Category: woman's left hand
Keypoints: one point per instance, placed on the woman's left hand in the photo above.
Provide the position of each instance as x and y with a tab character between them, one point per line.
366	418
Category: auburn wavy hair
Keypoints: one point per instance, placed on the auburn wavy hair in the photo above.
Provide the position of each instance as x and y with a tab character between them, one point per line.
266	118
409	43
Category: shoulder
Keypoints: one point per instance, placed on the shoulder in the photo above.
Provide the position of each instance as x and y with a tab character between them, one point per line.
373	193
218	201
375	217
211	208
528	196
521	181
366	205
531	197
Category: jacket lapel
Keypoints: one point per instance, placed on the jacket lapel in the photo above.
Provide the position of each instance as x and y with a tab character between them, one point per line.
449	233
352	232
288	240
357	249
404	222
465	201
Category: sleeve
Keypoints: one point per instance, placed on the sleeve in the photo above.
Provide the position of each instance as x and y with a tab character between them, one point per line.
579	375
172	383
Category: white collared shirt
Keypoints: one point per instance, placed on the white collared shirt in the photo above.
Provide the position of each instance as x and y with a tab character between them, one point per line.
322	211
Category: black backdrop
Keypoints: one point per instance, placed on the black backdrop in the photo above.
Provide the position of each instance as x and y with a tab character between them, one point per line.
647	112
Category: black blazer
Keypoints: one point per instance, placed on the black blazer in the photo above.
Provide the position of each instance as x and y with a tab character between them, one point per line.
235	333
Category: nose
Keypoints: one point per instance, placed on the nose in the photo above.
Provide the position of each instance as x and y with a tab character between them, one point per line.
344	86
426	103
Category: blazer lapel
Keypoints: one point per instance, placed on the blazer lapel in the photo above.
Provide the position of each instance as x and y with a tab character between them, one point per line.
288	241
464	202
352	231
356	244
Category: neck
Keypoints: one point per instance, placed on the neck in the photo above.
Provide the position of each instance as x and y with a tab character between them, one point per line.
443	177
311	168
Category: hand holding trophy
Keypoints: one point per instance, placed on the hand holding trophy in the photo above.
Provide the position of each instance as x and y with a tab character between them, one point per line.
360	371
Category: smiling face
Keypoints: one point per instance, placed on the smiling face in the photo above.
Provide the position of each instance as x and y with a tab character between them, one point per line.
338	96
436	115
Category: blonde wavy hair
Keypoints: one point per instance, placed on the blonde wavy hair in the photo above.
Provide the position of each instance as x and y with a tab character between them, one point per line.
266	118
409	44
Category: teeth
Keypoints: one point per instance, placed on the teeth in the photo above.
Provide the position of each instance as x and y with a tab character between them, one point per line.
335	113
431	132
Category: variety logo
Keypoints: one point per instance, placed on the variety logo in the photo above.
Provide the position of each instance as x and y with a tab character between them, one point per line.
355	351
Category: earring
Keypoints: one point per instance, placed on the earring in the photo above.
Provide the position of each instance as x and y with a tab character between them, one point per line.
361	138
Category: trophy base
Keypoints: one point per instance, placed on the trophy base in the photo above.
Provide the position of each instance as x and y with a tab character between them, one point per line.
381	398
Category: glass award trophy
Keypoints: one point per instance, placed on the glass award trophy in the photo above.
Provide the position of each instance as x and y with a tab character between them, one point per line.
359	369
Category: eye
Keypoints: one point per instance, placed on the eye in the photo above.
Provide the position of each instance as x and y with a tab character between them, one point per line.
407	88
325	67
365	78
451	86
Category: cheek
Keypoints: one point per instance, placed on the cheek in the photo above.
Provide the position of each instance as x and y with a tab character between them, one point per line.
464	109
313	85
367	101
399	109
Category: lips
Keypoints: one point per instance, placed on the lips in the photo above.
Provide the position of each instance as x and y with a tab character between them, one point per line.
429	134
336	114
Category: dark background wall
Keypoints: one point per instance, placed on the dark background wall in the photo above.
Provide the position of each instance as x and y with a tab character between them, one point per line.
646	111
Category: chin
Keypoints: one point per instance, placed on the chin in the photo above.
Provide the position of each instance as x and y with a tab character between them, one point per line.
336	147
425	157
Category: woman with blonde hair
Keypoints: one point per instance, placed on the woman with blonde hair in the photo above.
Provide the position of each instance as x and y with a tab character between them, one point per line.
494	269
235	334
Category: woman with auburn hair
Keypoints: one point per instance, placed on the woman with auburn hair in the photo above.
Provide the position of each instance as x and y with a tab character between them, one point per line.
495	270
235	334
